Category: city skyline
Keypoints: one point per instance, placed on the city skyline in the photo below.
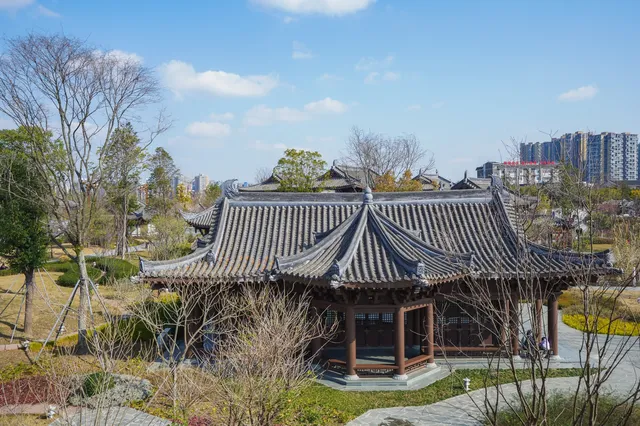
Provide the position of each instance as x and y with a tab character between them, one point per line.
245	80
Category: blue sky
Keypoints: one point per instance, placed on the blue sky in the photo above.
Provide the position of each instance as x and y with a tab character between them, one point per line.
244	79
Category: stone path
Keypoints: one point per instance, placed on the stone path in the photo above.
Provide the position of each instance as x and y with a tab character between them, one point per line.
463	411
114	416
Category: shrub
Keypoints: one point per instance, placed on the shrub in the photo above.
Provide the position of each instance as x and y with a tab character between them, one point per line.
7	272
96	383
611	411
72	275
125	389
115	269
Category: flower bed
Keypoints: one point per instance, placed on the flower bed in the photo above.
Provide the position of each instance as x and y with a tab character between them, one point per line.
618	327
27	390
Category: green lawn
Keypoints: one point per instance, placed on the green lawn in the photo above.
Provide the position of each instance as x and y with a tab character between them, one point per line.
320	405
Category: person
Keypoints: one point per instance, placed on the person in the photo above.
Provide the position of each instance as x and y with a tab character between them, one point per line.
545	346
528	342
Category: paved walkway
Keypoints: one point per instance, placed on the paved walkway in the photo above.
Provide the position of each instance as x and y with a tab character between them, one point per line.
463	411
115	416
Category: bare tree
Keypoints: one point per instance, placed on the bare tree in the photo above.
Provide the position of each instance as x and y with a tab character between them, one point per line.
182	319
505	307
383	154
262	174
263	361
69	97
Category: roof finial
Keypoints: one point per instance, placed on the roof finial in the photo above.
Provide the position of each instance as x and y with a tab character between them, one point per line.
368	196
465	175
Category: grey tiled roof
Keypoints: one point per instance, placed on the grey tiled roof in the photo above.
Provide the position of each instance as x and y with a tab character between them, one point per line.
472	183
392	240
203	219
340	177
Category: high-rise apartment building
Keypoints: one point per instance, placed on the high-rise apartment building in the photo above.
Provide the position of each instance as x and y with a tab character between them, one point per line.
600	157
200	183
612	157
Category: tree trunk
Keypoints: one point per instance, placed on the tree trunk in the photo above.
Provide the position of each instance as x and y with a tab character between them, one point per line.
29	288
84	303
121	230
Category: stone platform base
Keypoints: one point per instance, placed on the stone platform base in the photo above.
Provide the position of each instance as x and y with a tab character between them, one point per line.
415	380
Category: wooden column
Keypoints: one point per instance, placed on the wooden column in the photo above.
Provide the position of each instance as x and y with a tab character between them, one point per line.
350	342
428	321
538	319
514	322
316	343
399	344
417	333
552	323
505	326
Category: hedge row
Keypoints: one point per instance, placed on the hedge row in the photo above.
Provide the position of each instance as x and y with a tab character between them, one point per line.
114	269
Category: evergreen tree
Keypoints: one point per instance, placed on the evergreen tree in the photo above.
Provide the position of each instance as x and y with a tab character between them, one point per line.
23	232
163	170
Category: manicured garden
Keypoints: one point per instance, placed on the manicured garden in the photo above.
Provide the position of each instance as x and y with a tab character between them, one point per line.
611	411
618	316
314	405
319	405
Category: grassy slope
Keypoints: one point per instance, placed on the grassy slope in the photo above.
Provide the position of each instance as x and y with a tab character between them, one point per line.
44	318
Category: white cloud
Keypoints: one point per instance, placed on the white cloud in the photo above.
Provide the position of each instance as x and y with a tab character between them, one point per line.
366	64
227	116
323	7
437	105
124	56
579	94
391	76
329	77
181	77
262	146
47	12
371	77
201	129
13	5
262	115
300	51
325	106
414	107
289	19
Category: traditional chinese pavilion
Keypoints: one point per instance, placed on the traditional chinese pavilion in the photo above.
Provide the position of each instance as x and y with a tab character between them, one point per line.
379	263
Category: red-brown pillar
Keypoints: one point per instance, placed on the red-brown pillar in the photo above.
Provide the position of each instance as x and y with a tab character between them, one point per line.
399	344
350	343
514	322
429	333
552	322
538	319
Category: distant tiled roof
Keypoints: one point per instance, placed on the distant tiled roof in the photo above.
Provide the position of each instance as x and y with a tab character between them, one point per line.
472	183
389	240
433	181
338	178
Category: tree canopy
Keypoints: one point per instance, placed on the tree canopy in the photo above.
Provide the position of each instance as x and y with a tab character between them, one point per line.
163	170
405	183
298	171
